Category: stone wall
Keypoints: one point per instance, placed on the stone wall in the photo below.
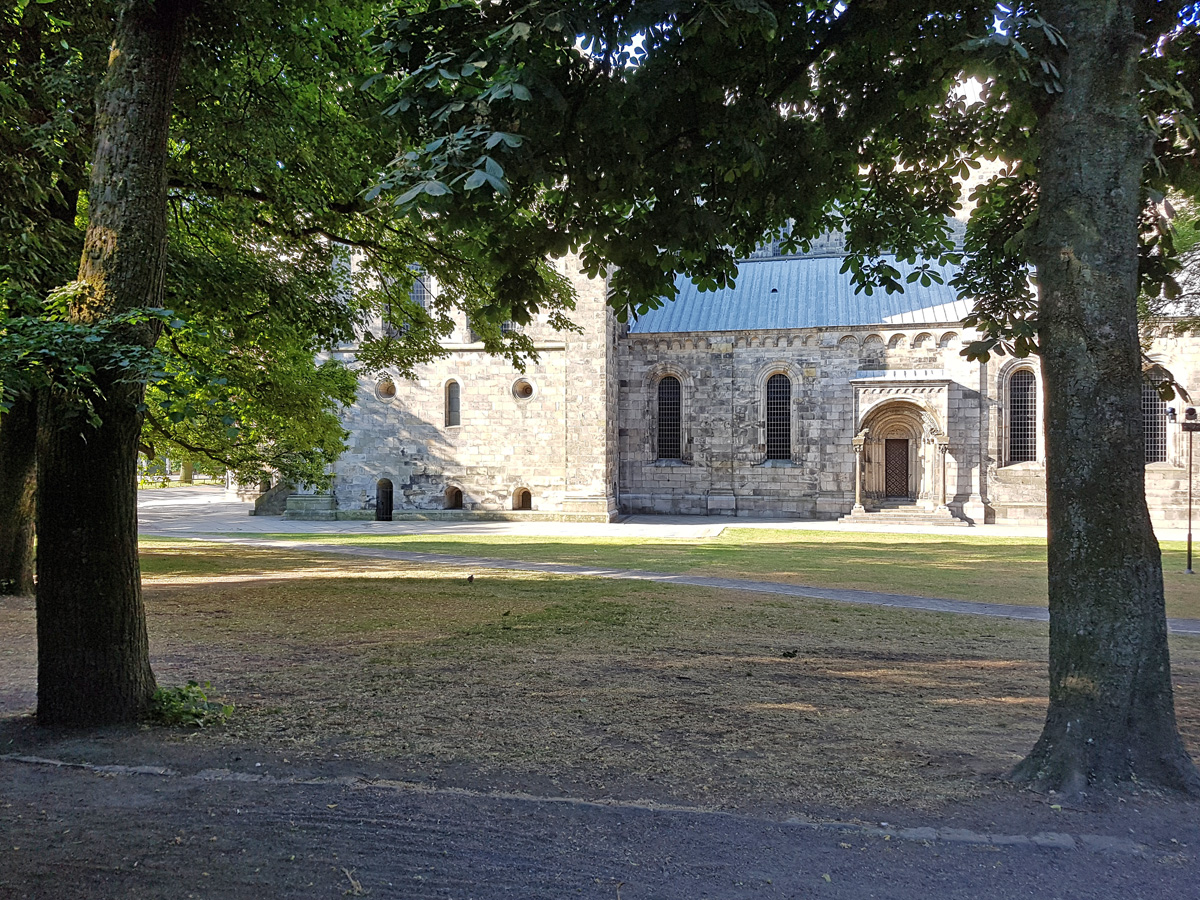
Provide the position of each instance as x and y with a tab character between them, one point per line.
551	442
1016	493
723	377
583	442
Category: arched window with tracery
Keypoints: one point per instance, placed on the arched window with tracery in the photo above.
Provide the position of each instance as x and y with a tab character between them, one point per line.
669	418
1154	424
1022	416
779	417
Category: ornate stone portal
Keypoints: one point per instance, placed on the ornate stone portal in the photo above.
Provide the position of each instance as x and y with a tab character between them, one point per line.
901	444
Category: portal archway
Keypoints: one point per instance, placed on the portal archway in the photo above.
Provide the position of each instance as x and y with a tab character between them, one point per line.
897	456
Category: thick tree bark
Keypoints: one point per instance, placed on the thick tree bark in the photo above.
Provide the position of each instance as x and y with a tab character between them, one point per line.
1112	715
18	437
93	654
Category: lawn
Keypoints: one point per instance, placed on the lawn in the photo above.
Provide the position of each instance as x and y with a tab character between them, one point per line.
989	569
589	687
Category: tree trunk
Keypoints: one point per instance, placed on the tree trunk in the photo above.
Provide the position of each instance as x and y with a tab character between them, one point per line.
18	438
1112	715
93	654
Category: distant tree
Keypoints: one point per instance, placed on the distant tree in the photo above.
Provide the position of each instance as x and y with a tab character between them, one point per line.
672	136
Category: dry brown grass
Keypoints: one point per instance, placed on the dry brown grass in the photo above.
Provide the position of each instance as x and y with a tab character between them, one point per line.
598	688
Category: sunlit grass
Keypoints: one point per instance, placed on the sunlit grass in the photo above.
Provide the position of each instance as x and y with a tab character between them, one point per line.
982	569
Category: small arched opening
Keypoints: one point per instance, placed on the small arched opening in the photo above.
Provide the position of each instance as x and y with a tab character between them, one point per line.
522	499
670	418
1022	416
383	500
454	498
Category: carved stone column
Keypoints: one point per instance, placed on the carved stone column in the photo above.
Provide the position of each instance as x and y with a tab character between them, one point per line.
858	441
943	446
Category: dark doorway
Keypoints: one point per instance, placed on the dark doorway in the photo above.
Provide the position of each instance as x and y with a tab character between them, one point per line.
523	499
454	498
895	478
383	500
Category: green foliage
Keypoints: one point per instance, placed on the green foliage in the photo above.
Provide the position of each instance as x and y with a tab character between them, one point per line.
48	52
685	132
188	706
1186	226
53	353
278	255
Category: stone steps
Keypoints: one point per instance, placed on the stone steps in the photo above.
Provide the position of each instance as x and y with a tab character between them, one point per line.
902	514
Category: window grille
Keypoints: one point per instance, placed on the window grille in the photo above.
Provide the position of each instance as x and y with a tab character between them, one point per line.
779	417
510	327
1154	424
453	403
1022	417
418	294
670	445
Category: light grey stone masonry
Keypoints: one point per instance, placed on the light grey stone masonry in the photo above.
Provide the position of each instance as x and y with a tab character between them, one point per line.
553	443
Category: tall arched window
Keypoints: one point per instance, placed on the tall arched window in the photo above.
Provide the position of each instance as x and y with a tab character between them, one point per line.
453	403
1022	417
779	417
419	292
1154	424
670	418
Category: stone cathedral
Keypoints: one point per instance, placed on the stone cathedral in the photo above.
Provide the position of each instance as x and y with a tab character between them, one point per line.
788	395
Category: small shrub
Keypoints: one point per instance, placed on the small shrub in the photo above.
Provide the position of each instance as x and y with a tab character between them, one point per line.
188	706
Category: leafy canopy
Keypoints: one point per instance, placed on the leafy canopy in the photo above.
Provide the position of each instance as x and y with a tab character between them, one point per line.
279	256
671	136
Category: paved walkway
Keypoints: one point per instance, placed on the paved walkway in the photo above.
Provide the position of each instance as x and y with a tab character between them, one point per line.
207	508
207	514
210	509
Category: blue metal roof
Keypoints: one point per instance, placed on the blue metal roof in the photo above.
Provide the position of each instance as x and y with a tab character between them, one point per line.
802	292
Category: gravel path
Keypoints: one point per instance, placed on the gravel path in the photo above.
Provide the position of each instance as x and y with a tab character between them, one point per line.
110	831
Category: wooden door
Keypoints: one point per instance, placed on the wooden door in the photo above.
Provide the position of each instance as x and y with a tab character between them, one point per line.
895	472
383	500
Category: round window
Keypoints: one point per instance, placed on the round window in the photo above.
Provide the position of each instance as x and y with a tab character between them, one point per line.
385	389
522	389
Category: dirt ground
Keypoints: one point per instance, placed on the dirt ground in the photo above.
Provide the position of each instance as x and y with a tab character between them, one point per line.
242	824
390	751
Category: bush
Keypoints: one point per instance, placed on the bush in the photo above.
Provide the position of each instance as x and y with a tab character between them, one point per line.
188	706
